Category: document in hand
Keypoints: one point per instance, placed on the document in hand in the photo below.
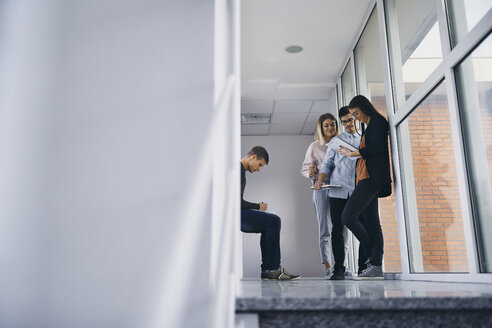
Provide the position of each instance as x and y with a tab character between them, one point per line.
325	186
337	142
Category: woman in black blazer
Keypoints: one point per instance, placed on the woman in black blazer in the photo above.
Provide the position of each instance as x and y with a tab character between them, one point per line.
372	181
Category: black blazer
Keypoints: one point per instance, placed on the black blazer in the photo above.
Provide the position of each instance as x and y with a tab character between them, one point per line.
376	154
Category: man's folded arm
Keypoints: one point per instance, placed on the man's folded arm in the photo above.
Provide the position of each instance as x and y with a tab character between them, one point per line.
245	205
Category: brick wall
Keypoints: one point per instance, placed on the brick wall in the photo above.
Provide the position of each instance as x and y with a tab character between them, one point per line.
486	116
436	187
436	190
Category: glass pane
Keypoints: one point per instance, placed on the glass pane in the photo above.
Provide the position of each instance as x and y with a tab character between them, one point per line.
339	101
474	80
431	194
415	42
348	87
464	15
370	81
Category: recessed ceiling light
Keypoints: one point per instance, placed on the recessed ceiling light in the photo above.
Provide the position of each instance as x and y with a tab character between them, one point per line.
293	49
260	118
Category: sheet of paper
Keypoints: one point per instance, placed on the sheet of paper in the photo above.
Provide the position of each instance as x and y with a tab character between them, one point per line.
336	143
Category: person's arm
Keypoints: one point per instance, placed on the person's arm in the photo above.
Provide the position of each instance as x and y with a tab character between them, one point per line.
319	183
326	167
376	139
308	168
245	205
346	152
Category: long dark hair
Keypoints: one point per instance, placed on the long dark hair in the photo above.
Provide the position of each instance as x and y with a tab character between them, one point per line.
365	106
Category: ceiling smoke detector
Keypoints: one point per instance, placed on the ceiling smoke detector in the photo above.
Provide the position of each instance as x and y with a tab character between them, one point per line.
293	49
260	118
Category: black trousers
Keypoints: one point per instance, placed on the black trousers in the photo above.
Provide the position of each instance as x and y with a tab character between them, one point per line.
268	224
364	200
337	206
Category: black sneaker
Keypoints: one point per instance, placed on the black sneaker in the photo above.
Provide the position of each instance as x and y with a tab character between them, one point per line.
373	272
363	266
338	274
279	274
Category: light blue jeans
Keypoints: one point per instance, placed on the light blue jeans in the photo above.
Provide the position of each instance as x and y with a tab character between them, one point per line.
322	208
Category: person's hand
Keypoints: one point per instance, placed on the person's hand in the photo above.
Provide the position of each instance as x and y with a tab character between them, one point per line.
346	152
317	185
263	206
312	170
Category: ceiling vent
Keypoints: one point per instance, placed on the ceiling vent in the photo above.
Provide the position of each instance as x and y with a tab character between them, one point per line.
260	118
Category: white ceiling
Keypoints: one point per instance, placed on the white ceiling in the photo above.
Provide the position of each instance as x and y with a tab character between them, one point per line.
294	88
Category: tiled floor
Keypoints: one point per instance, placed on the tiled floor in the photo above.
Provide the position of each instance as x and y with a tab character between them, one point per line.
307	292
317	302
319	287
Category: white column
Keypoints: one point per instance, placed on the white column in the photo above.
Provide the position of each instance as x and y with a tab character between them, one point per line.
107	148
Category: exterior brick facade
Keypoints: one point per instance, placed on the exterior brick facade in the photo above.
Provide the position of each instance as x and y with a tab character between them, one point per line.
436	187
439	219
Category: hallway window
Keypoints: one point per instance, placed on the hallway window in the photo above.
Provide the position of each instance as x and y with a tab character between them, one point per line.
339	100
464	15
369	73
436	239
415	41
348	86
474	80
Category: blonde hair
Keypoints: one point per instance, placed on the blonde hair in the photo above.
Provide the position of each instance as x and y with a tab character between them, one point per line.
319	134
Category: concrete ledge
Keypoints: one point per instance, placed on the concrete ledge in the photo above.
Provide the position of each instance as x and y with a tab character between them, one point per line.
403	303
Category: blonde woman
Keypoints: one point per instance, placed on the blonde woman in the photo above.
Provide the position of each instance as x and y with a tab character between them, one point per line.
326	129
341	170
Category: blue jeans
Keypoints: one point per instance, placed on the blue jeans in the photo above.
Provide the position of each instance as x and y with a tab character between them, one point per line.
322	208
255	221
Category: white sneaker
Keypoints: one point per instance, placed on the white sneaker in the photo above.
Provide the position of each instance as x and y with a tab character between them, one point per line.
329	273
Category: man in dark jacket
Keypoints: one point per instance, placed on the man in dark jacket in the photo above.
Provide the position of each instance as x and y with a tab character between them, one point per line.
254	219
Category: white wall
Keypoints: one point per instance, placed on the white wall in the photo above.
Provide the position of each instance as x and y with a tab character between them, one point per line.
288	195
108	136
